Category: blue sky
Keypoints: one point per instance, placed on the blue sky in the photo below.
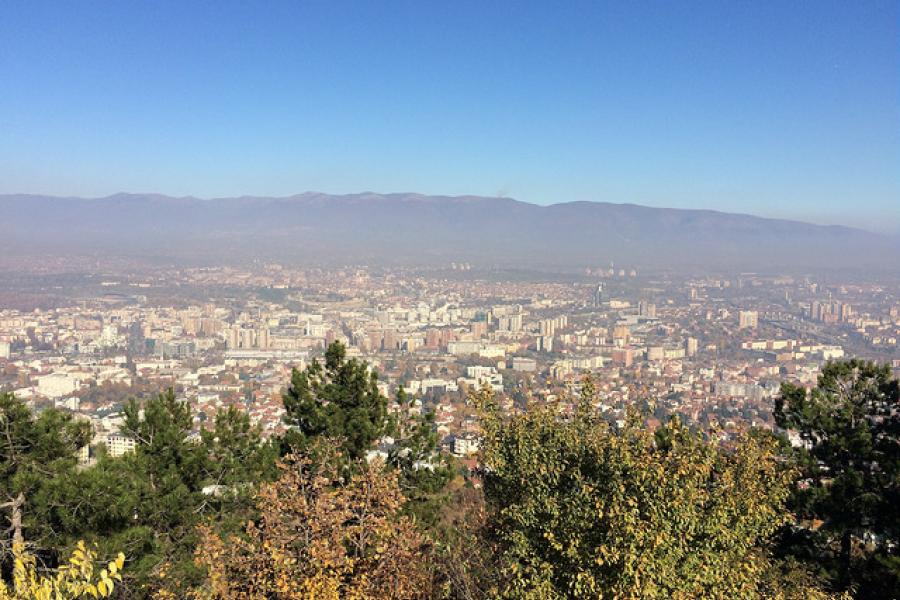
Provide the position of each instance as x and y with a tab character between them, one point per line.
788	109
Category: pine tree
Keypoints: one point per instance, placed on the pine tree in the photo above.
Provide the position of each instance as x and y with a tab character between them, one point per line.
339	400
36	452
850	459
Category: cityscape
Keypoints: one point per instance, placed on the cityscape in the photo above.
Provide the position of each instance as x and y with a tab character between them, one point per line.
712	350
593	300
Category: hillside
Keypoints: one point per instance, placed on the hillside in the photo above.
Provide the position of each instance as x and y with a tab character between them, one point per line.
418	230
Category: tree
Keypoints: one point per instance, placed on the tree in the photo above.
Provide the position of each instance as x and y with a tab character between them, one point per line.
150	501
35	452
581	510
74	580
338	400
850	461
236	458
177	480
423	471
315	539
465	551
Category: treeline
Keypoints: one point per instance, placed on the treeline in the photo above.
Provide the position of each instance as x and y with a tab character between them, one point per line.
568	507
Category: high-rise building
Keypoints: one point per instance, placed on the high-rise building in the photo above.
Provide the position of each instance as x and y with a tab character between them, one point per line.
846	312
548	327
262	338
655	353
599	296
544	343
748	319
241	338
690	346
390	340
510	323
647	309
623	356
815	311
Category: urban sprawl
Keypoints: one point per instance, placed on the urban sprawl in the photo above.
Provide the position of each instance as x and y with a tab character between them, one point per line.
712	350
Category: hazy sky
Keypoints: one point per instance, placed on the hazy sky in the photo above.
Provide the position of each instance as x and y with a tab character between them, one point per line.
772	108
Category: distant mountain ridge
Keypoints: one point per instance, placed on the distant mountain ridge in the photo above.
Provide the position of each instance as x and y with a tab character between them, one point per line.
416	229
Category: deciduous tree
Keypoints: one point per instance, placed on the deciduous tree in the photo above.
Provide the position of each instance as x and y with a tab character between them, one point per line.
583	510
77	579
316	539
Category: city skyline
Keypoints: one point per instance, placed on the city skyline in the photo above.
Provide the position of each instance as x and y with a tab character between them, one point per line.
772	110
449	301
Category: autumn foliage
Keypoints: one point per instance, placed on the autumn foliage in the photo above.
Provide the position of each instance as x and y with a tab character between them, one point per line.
562	503
320	538
77	578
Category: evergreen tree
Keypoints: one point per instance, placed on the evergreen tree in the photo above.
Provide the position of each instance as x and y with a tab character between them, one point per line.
339	400
36	452
146	503
181	480
850	460
423	472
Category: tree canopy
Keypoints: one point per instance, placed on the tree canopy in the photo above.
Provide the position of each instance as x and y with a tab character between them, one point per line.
146	503
571	506
77	578
339	400
583	510
36	451
849	455
315	539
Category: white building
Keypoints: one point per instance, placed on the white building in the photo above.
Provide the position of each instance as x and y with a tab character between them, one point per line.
466	444
118	444
528	365
748	319
57	385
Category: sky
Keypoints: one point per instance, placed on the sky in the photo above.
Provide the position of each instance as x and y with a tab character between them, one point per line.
783	109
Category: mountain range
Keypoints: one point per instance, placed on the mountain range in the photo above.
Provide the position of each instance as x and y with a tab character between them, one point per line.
415	229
